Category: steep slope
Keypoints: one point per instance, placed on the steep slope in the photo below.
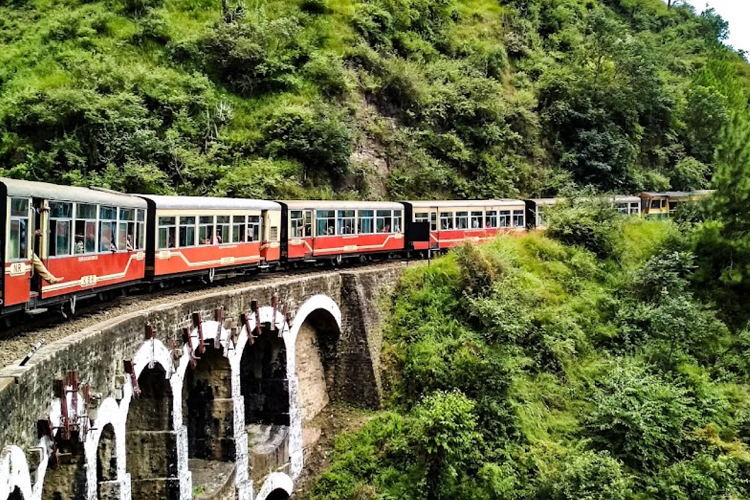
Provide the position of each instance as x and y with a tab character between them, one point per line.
355	98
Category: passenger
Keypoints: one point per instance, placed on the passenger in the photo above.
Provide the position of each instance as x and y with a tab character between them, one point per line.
80	248
112	247
40	268
129	243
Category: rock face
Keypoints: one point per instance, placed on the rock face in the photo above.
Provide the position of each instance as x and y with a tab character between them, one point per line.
244	396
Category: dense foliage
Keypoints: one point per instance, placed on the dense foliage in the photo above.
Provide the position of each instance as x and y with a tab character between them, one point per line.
529	368
389	98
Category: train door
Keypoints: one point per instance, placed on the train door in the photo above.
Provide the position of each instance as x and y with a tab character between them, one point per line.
38	243
17	263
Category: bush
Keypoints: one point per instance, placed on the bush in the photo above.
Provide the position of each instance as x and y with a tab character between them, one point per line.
640	418
585	475
590	222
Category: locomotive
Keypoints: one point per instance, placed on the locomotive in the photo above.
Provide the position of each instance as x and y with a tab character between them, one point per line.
96	241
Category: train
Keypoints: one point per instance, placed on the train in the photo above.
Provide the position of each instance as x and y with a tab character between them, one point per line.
95	242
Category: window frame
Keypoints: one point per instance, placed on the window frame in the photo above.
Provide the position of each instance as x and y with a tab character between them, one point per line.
19	216
169	227
183	222
54	220
325	220
86	222
447	217
479	219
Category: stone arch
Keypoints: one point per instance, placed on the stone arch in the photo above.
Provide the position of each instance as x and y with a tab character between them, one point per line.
151	442
322	310
14	473
107	487
277	486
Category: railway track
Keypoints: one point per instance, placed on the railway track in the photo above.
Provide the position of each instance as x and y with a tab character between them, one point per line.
17	341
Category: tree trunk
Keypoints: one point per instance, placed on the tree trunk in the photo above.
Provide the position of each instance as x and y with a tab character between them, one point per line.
225	9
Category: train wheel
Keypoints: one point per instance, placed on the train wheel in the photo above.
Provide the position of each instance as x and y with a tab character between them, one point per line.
336	261
68	309
211	276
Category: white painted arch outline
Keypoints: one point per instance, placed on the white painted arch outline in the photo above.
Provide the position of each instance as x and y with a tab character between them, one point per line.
14	469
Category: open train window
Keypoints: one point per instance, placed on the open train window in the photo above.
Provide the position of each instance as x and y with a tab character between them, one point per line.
655	203
126	237
518	218
239	225
61	229
635	208
206	230
254	228
504	218
446	221
297	224
19	229
140	230
85	228
107	229
223	225
325	222
366	222
187	232
476	220
346	222
397	216
383	221
167	232
490	219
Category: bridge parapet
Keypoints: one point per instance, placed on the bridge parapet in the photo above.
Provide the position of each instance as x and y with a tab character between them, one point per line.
142	408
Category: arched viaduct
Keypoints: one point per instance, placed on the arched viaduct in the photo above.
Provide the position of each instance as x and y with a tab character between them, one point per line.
128	408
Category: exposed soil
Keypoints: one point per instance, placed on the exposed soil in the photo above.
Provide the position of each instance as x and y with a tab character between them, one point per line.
335	419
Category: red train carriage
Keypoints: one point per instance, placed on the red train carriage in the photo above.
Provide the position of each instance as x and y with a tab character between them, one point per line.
89	240
315	230
454	222
195	235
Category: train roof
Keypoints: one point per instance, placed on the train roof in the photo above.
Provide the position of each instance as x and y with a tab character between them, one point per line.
464	203
677	194
207	203
54	192
341	205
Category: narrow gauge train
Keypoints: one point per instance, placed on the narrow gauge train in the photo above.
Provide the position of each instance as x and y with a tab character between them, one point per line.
94	241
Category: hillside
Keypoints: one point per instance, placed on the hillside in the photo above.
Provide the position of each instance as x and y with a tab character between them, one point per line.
365	98
558	367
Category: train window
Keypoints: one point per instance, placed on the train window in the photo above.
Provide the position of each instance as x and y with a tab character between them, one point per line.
622	208
504	218
421	216
673	205
85	228
61	228
383	221
126	231
187	232
476	220
397	216
462	220
239	223
635	208
655	203
366	222
206	230
140	237
490	219
446	221
253	228
107	229
346	222
223	226
297	224
167	231
433	221
19	224
325	222
518	218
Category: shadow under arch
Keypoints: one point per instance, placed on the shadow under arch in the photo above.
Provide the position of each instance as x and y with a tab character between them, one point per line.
106	464
151	443
16	495
67	478
316	357
265	391
278	494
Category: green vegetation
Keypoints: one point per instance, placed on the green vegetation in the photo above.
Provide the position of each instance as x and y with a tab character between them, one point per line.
367	98
583	363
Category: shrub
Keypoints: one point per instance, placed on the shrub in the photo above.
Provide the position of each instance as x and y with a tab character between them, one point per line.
640	418
585	475
590	222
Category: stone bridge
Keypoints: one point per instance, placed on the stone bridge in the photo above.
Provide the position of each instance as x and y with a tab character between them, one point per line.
130	408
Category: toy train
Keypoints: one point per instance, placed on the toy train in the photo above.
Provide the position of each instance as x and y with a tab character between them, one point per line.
94	241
